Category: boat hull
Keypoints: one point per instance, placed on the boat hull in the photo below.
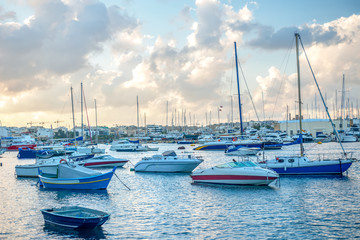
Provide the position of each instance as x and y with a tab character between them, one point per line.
16	147
33	170
90	183
103	164
75	218
311	168
167	166
214	175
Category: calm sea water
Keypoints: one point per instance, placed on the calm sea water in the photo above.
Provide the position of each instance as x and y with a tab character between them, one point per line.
168	206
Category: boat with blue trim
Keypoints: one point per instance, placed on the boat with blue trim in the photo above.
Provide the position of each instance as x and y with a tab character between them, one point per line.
301	165
75	217
76	177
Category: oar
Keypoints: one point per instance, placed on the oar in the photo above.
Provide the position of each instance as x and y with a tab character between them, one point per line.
122	182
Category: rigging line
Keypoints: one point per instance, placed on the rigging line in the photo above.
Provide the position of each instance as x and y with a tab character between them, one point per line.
65	103
282	81
242	73
322	98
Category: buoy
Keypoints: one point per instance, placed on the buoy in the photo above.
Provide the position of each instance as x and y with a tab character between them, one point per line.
319	142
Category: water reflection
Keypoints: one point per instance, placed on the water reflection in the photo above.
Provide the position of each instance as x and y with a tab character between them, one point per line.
53	231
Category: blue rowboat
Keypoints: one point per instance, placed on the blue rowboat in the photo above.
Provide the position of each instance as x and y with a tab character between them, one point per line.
75	217
77	177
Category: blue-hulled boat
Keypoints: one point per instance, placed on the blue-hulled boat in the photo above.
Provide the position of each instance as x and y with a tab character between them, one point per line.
70	177
301	165
75	217
25	153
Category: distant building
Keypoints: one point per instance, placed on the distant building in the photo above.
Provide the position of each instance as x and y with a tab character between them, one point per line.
155	128
5	132
311	125
44	133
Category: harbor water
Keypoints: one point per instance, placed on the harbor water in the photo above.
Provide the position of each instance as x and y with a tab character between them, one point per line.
168	206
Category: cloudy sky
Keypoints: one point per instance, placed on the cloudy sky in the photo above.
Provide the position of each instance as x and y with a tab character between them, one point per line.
178	54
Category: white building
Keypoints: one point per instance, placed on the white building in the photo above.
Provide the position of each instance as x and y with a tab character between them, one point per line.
311	125
45	133
4	132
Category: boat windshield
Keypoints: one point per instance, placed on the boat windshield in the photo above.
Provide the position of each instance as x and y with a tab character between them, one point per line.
237	164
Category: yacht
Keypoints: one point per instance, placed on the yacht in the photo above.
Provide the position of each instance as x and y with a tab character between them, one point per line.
168	162
235	173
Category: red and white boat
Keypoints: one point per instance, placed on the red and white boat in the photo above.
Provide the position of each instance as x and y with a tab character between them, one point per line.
104	160
235	173
26	141
15	147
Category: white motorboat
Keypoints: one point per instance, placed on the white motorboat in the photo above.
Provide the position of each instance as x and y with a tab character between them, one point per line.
235	173
125	145
169	161
347	137
103	161
243	151
47	166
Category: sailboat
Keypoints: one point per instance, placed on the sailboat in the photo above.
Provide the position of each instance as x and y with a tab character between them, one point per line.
344	136
301	165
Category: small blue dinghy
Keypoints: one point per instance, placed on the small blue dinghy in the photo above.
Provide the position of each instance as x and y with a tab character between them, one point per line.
75	217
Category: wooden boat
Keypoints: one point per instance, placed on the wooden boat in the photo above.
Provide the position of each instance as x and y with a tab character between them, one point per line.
75	217
70	177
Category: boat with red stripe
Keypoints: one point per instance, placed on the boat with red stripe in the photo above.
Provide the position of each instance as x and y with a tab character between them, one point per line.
235	173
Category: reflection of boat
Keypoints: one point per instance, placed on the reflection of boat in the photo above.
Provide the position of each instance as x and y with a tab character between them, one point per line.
75	217
235	173
76	177
103	161
169	161
243	151
294	165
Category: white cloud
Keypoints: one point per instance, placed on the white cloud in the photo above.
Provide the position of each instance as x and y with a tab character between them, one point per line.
64	43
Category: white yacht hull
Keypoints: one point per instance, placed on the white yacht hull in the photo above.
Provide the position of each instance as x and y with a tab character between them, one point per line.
234	176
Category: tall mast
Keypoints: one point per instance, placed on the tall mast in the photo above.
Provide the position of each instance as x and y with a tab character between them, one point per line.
287	118
137	114
238	88
72	107
167	113
342	103
232	112
299	93
97	133
82	124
